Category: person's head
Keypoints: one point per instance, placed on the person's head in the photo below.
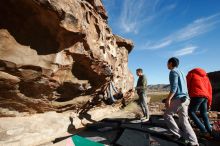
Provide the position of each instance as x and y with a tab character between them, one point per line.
172	63
139	72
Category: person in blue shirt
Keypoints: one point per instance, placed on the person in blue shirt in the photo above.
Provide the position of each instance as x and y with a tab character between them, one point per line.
177	102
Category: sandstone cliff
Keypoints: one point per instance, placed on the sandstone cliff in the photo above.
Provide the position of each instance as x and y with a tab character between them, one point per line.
56	53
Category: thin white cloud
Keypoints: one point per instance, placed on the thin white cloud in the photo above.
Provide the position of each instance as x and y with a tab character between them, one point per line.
201	52
185	51
198	27
192	30
135	14
161	44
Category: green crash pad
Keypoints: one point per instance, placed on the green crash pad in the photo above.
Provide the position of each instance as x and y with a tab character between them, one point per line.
80	141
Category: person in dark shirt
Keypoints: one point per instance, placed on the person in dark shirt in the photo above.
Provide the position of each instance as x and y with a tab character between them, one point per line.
141	91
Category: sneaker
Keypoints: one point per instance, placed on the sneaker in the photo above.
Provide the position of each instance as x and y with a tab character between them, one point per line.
174	137
144	119
190	144
206	135
179	139
183	140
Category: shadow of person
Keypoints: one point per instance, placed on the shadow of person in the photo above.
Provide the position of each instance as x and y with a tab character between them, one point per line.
87	117
71	128
83	113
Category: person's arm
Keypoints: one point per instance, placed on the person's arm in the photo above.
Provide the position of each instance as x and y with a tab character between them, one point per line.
210	94
113	87
145	82
168	99
188	80
173	87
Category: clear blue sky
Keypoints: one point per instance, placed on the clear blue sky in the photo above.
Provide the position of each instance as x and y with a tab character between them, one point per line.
160	29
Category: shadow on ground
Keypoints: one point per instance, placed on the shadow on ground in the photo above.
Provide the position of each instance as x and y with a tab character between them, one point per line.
131	132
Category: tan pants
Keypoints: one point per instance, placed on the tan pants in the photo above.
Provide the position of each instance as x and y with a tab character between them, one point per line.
181	108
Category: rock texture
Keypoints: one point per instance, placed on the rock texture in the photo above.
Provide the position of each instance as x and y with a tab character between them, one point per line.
215	81
53	52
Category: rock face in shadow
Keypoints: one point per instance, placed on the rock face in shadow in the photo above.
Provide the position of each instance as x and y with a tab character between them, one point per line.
53	51
215	81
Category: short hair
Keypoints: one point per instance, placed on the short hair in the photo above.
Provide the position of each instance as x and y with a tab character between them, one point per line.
174	61
139	70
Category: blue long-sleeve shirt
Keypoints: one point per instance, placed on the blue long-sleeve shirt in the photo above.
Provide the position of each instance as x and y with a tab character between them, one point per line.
178	84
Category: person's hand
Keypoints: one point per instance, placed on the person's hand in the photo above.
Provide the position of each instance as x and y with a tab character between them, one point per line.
209	108
167	103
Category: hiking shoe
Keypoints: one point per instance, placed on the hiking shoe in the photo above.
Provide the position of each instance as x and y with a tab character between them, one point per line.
144	119
190	144
206	135
179	139
183	140
174	137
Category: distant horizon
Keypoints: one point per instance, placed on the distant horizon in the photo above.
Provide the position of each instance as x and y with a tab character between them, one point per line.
189	30
168	82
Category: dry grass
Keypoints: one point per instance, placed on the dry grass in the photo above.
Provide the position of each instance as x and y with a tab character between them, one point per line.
154	96
132	107
157	96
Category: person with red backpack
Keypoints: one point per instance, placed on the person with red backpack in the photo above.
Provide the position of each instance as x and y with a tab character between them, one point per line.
200	92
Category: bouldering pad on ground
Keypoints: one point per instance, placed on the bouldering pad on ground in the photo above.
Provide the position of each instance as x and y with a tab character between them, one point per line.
133	138
80	141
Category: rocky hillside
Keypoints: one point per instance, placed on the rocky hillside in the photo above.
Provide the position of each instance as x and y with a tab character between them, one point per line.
215	81
54	52
158	88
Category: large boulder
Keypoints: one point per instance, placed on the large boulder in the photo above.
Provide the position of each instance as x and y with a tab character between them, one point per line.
41	129
53	52
215	81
